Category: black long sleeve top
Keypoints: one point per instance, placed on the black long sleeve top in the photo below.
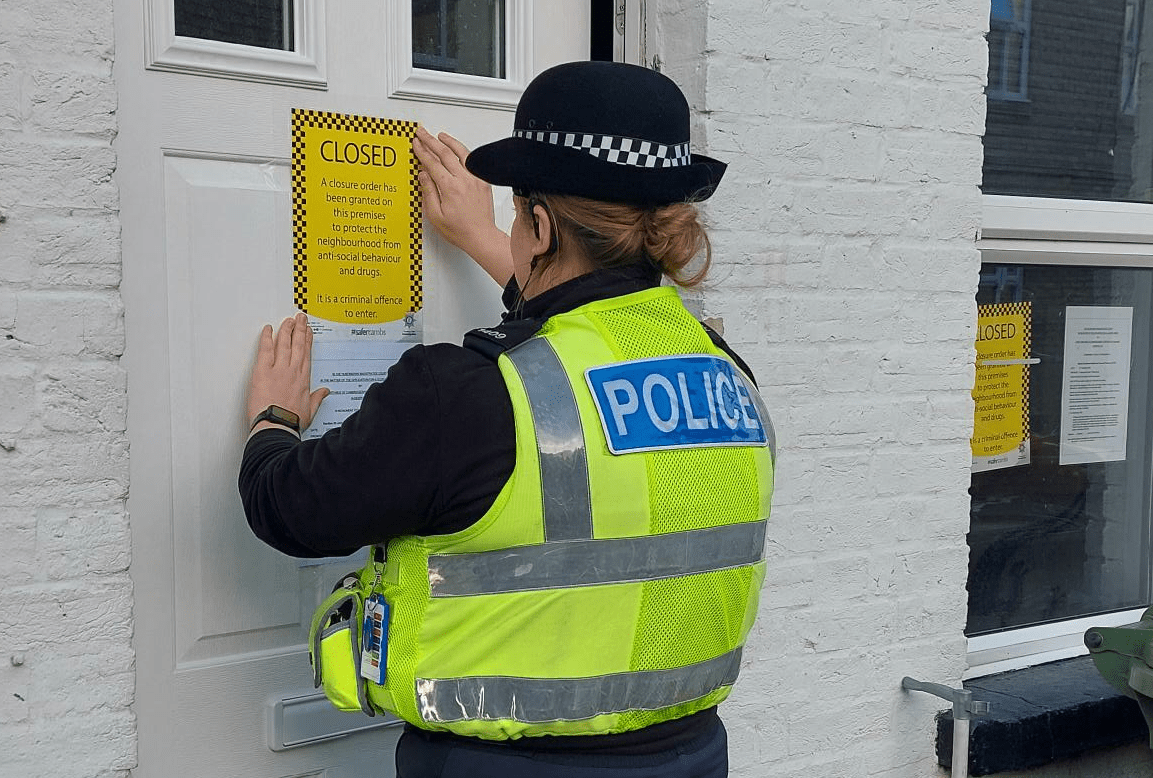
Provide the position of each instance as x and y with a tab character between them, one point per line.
427	453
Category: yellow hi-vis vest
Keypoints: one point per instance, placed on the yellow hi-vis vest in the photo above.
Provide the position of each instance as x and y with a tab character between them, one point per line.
602	592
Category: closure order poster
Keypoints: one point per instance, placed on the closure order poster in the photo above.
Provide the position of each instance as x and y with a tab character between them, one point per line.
357	229
1001	390
357	241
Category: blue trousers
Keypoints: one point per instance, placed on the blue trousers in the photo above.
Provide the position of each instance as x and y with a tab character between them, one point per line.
419	757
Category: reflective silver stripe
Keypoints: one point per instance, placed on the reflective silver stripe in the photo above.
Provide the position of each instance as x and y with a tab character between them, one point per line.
593	562
541	700
560	441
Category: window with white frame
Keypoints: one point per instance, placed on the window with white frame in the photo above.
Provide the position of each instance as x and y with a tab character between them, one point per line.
466	52
1060	538
1066	535
268	41
459	36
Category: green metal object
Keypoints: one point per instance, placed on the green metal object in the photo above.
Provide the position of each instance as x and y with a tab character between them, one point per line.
1124	657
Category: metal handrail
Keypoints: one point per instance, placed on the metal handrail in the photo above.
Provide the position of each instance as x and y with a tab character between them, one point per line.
964	709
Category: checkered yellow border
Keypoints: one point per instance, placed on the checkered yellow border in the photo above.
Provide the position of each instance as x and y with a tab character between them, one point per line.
1025	311
302	121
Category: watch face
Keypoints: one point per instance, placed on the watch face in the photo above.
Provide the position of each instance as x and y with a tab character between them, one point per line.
278	415
285	415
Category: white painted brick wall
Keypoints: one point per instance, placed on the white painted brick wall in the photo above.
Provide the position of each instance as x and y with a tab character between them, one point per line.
66	659
845	272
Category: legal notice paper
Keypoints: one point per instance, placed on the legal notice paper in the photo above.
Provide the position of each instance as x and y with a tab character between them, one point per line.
1095	385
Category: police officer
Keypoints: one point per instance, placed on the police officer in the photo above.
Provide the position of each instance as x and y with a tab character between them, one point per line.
567	513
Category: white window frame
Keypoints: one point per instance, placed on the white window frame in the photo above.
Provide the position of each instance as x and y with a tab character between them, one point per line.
1018	648
1043	231
302	67
1024	227
408	83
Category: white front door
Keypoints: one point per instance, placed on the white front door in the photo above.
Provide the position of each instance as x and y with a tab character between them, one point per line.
206	91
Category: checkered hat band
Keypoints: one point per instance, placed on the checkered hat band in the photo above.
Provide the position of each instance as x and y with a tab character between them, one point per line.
615	149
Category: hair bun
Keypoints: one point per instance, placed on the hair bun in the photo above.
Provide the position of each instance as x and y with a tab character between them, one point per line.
619	234
673	236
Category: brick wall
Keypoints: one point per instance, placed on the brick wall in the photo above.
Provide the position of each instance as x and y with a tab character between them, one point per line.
66	660
845	273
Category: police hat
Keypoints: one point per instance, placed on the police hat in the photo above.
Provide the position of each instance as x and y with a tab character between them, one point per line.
603	130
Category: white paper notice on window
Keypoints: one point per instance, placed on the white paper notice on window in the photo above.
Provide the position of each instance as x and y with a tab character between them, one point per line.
1095	388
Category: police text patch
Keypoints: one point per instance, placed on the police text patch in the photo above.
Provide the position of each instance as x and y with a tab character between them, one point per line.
675	402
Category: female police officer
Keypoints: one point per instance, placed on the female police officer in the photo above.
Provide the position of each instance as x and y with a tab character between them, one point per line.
569	510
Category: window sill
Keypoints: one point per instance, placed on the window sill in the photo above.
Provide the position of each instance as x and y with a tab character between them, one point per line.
1042	714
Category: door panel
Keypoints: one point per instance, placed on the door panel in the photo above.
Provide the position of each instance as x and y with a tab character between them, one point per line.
204	146
240	596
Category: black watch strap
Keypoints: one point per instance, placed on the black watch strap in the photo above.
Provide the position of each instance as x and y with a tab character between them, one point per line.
278	415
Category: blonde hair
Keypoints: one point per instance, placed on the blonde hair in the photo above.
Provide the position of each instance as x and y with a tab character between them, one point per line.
619	234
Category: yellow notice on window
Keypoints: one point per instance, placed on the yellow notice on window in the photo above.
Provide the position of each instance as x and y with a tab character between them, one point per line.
356	215
1001	390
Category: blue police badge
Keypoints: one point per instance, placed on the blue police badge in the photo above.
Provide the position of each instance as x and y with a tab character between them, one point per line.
681	401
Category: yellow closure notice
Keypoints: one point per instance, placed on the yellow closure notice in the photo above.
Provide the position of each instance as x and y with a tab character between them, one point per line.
1001	389
356	218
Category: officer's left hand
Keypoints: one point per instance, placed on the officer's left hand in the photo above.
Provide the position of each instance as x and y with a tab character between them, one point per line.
282	374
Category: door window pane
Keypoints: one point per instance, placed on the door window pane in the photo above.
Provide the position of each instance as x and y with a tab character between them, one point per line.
263	23
1070	112
459	36
1047	541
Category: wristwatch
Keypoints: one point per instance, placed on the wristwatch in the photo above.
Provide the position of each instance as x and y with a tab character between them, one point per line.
278	415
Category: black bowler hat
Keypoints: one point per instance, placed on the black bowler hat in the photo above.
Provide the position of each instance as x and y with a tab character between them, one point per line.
602	130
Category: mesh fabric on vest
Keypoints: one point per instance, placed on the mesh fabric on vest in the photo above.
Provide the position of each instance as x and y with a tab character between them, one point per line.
634	329
404	628
688	489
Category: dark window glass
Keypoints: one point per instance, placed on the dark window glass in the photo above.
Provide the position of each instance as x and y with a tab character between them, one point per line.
459	36
1067	111
1047	541
1008	49
263	23
602	15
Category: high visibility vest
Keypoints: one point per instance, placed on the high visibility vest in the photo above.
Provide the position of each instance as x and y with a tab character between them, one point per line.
614	580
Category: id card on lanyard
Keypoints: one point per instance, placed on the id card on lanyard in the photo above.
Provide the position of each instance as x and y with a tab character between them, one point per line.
374	640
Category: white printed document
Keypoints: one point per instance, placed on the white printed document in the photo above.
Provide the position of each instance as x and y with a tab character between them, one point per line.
1095	386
